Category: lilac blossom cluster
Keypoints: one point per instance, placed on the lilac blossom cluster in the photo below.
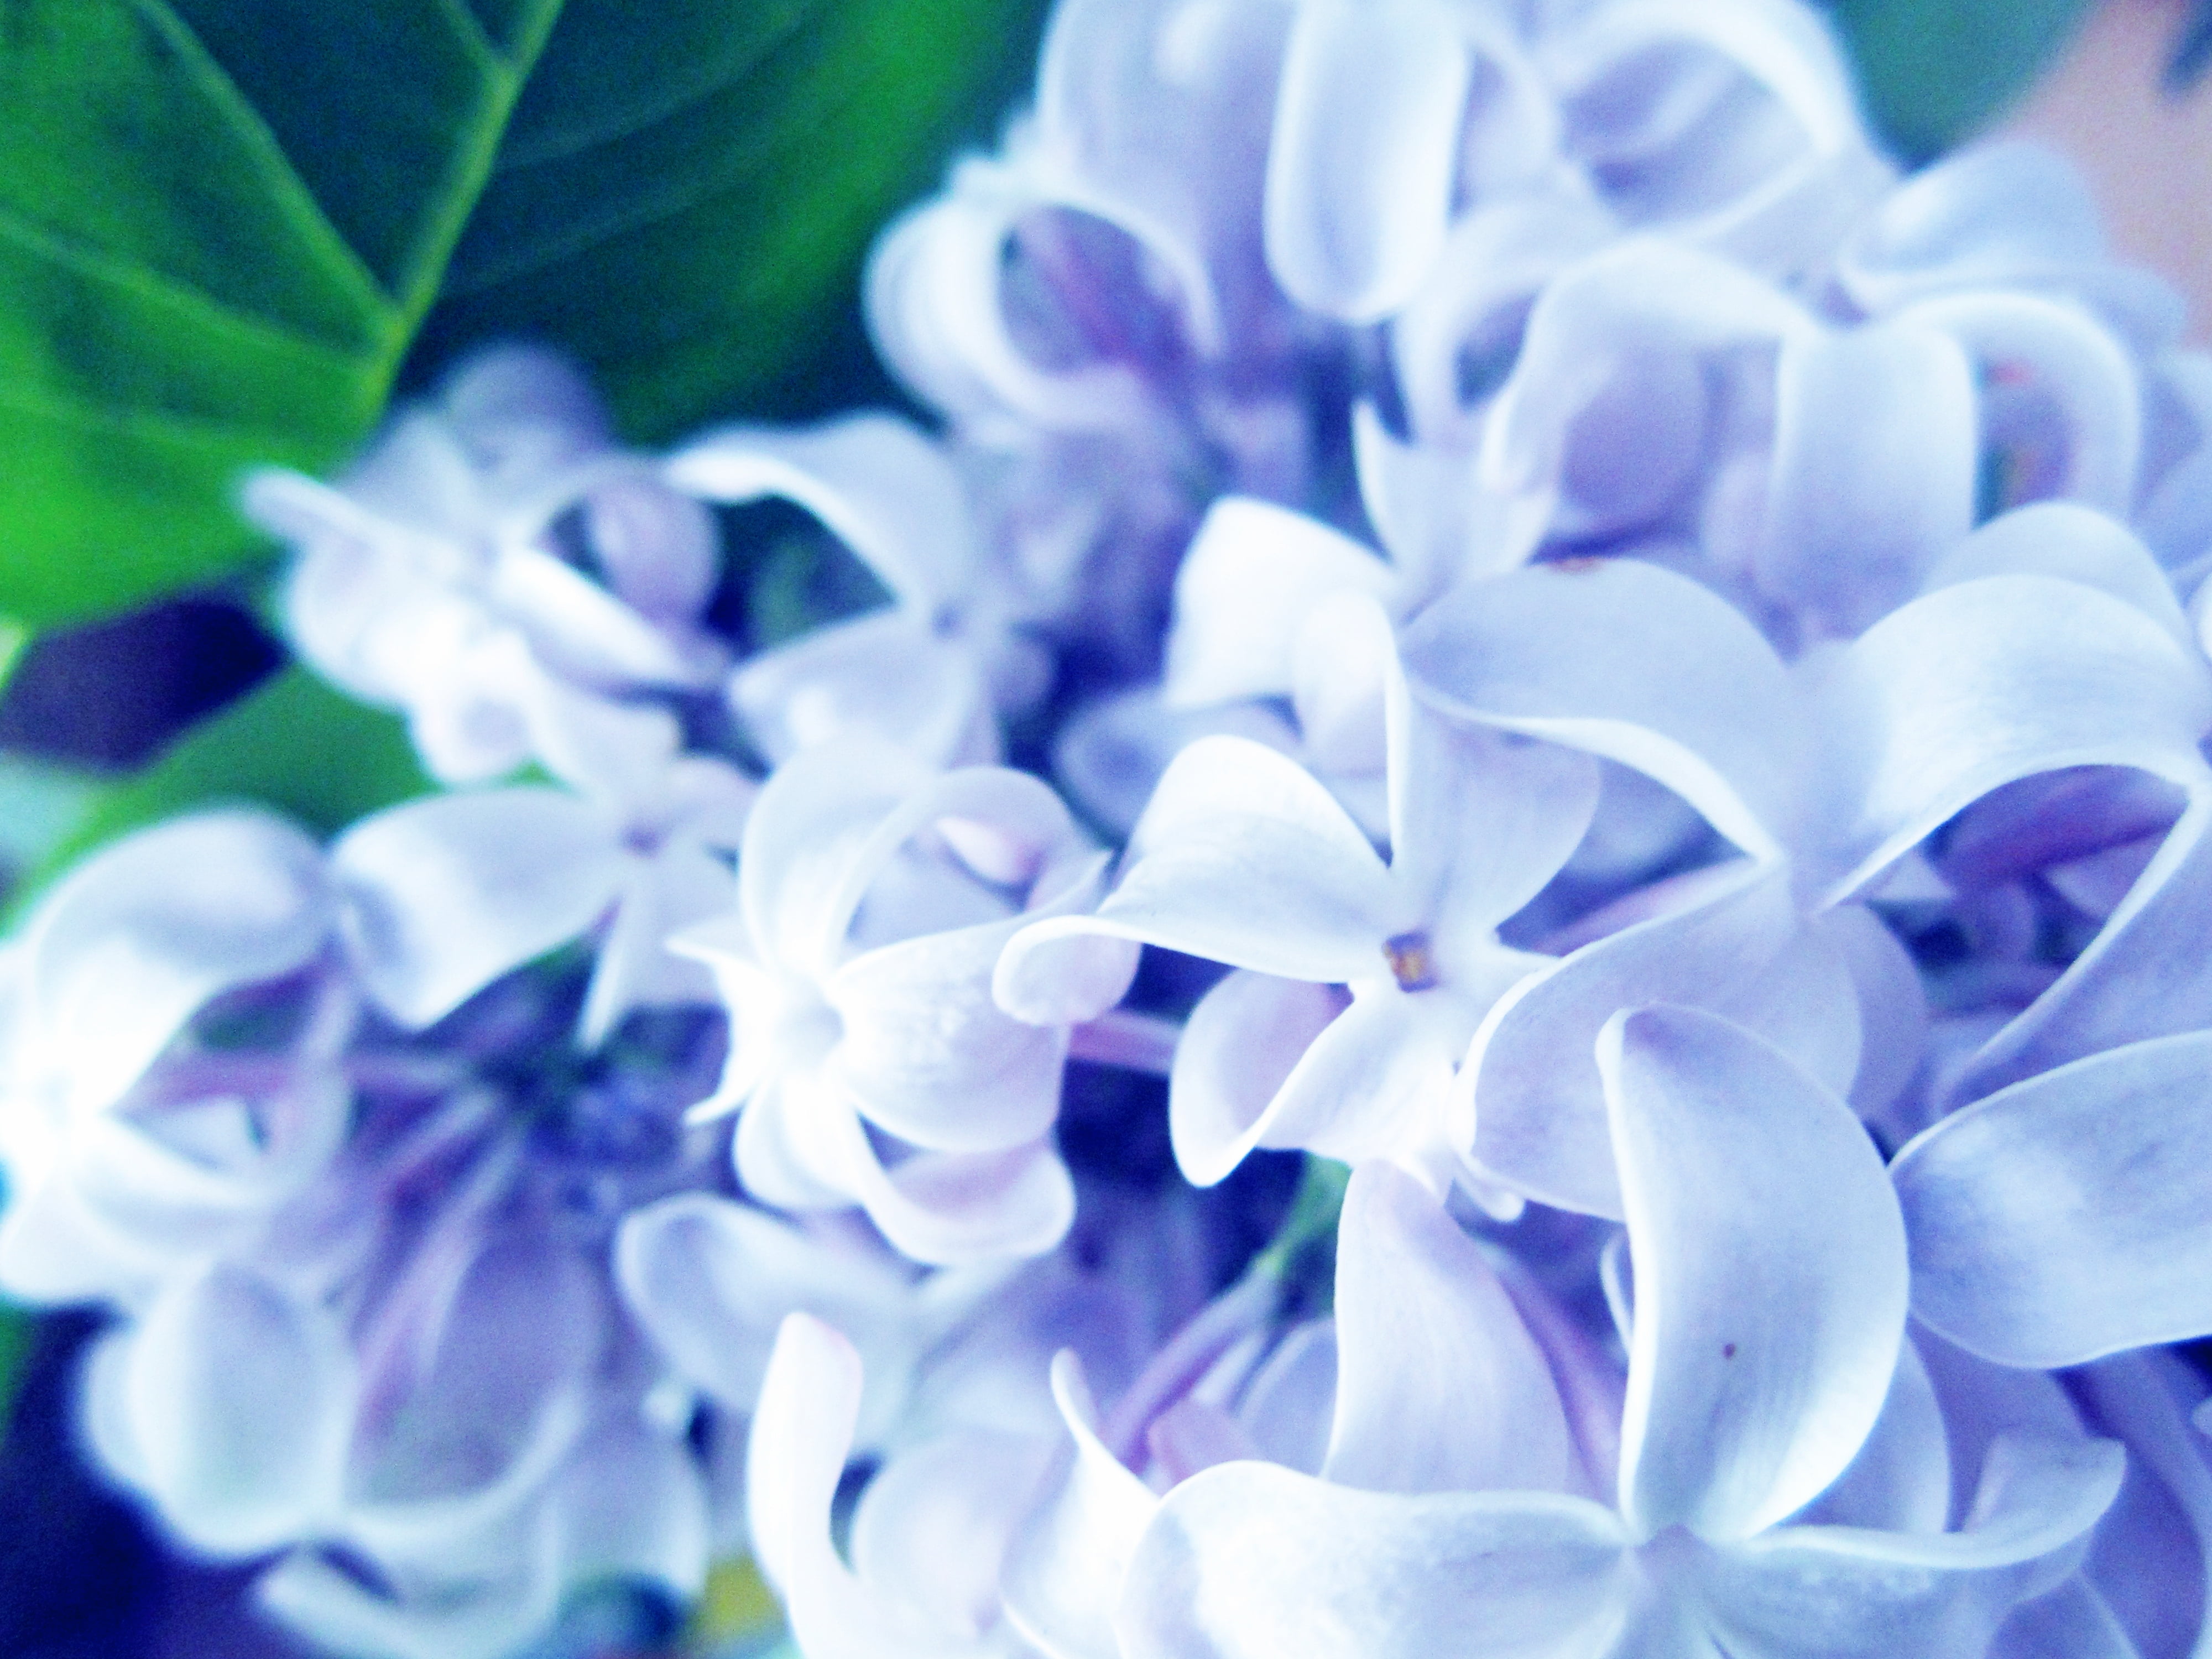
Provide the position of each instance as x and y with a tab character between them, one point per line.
1500	602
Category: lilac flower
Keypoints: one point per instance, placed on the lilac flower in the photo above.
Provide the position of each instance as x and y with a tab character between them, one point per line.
873	901
448	577
930	675
1244	858
1764	1343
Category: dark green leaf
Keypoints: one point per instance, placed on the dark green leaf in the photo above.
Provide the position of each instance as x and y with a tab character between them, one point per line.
685	201
1935	72
15	1332
224	223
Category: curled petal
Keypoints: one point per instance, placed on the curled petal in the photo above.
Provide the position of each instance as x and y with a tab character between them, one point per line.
2067	353
2072	543
802	1433
1360	169
928	1053
1630	662
1242	1045
448	893
1439	1386
1530	1078
1065	1566
1771	1275
1372	1081
2063	1218
1253	573
240	1398
125	948
476	1617
882	487
933	1528
710	1279
1864	1594
1980	683
1241	857
887	675
1249	1561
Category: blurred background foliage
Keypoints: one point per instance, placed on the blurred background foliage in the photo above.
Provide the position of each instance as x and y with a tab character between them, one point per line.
231	231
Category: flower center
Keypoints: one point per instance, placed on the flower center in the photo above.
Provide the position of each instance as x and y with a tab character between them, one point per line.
1413	962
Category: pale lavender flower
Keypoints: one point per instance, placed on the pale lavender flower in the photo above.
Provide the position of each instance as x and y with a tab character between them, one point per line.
494	559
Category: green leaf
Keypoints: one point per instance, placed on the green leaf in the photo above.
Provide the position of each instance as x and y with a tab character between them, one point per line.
1935	72
17	1329
687	205
293	744
223	224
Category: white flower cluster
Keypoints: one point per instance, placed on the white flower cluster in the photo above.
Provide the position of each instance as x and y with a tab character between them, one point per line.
1502	610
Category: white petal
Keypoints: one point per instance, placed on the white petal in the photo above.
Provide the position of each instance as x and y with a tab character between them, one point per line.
1632	308
448	893
928	1053
886	676
1439	1387
126	947
1871	1595
631	1506
2064	1218
1242	858
471	1619
582	630
1372	1083
1539	1111
1248	1561
932	1529
710	1280
1360	169
1631	662
1771	1275
241	1398
2075	543
1253	573
1238	1051
1989	215
1068	1560
1891	999
681	885
882	487
814	815
801	1436
1988	681
1900	1481
950	1208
